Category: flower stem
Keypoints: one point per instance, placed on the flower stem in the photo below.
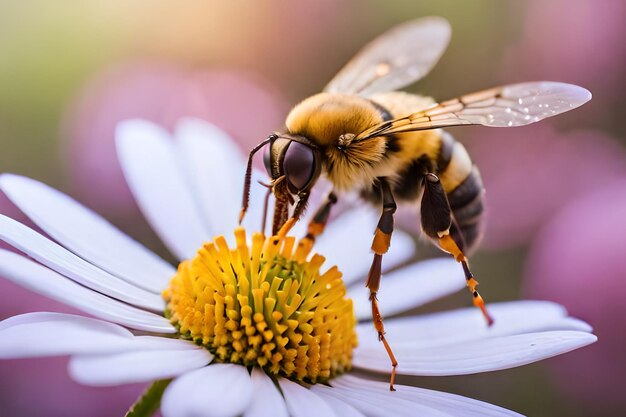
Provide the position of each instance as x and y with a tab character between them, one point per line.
148	403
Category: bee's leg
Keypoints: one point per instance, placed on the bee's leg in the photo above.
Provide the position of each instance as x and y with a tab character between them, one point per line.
437	221
321	216
318	222
281	214
303	199
380	245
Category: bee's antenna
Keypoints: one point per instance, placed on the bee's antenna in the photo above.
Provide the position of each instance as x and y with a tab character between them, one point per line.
248	178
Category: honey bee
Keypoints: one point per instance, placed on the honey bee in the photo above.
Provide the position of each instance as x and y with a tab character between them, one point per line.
387	145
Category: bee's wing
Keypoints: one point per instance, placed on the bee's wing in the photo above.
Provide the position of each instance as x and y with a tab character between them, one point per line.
395	59
507	106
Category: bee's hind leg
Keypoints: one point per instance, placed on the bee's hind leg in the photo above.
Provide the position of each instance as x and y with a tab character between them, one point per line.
437	221
380	245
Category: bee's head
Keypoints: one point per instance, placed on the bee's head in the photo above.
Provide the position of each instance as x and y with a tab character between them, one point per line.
294	158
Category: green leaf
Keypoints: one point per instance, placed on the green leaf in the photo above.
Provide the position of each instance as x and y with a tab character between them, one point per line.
150	400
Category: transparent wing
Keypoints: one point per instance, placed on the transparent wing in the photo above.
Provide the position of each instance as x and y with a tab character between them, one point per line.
507	106
395	59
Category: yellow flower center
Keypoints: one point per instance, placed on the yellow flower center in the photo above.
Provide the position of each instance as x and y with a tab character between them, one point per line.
266	305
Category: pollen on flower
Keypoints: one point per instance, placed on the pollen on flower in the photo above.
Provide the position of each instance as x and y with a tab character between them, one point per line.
266	305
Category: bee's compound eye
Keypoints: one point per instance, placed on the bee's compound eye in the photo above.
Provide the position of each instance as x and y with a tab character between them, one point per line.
299	165
266	160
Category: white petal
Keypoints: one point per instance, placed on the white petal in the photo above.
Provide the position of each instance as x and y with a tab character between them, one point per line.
454	405
136	366
216	171
266	399
46	316
44	281
86	233
460	326
341	407
490	354
68	264
67	334
410	287
51	334
347	243
219	390
381	403
302	402
154	172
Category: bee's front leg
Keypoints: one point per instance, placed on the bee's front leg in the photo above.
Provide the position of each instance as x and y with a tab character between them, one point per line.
318	222
380	246
437	221
320	219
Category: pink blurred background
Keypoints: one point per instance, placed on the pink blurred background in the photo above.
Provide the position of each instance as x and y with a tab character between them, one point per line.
556	191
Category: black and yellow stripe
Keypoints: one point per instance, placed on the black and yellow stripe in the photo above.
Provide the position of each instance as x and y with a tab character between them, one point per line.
438	153
467	204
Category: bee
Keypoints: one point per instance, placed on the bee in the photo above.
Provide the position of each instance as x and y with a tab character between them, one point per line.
363	135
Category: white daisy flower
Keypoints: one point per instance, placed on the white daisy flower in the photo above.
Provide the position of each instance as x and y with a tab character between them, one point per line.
250	329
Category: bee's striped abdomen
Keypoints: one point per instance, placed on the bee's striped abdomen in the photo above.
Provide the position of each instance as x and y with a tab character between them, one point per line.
467	204
439	153
464	188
